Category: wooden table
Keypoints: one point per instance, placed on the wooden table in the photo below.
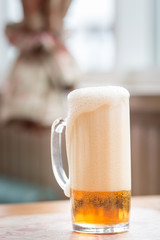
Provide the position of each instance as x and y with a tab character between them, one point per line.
59	214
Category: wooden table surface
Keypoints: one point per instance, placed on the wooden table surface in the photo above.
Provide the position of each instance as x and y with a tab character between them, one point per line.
149	205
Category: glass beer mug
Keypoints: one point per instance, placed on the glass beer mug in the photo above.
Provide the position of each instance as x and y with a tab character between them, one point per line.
98	151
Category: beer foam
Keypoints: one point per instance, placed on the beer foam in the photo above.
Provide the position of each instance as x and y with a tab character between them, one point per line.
98	144
89	99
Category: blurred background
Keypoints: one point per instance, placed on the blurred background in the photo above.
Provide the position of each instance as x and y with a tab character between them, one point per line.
47	49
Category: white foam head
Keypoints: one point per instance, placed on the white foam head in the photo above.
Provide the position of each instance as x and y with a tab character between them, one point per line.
100	145
89	99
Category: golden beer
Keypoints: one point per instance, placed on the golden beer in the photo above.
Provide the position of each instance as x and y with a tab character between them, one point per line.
100	207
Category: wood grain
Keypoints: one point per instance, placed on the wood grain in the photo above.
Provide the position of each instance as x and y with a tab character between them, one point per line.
152	202
34	208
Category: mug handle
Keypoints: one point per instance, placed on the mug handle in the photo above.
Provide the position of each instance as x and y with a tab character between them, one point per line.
57	129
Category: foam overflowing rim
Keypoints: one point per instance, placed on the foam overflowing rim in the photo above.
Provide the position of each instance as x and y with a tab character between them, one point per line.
89	99
97	92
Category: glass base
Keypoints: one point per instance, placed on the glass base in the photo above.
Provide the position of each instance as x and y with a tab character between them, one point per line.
95	228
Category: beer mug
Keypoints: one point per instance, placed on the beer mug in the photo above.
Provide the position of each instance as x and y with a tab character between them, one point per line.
98	150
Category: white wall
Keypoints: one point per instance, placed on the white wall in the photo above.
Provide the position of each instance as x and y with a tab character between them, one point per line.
134	34
157	5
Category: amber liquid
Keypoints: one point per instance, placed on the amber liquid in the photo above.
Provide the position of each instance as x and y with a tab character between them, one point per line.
100	207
